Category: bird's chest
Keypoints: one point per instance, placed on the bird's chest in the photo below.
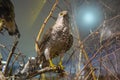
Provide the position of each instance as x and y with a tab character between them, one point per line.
57	46
59	37
59	33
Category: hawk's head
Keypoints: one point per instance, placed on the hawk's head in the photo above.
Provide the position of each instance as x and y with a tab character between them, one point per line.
63	16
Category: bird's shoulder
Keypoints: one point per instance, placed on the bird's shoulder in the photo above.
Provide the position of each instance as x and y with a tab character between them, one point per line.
46	36
69	43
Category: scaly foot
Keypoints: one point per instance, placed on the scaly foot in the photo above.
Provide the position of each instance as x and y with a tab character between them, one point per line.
61	66
51	64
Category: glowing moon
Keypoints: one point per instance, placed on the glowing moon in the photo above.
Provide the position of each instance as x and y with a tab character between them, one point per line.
89	18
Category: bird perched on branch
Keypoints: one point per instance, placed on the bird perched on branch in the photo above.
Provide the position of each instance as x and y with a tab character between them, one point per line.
7	18
56	41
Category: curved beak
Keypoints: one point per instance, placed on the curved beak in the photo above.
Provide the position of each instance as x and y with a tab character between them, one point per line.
65	13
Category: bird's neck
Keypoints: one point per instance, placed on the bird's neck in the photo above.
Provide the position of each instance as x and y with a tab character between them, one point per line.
60	25
59	21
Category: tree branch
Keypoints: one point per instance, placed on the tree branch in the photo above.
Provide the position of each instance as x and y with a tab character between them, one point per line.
44	70
10	56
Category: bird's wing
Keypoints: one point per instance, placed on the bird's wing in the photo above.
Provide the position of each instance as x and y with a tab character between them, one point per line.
42	46
70	42
44	40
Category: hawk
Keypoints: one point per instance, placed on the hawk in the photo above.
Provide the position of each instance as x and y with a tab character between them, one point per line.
7	18
56	41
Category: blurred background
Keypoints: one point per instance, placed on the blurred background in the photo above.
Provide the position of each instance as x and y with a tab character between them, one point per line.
96	21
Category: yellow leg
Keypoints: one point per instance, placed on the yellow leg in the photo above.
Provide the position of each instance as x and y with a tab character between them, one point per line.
51	64
60	64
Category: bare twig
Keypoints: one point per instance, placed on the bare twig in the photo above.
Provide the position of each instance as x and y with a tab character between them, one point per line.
110	54
3	46
44	70
117	16
105	45
15	59
70	56
26	67
76	78
10	56
107	68
2	77
110	72
106	5
86	78
82	50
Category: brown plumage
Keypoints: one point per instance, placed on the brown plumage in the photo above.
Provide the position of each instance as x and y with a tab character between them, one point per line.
57	40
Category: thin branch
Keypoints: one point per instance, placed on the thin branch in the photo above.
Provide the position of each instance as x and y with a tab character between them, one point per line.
117	16
3	46
2	77
70	57
110	72
106	5
10	56
86	78
103	58
106	68
76	78
15	59
82	50
44	70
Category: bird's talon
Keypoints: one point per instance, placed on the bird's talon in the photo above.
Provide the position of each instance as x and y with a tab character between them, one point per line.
61	66
52	65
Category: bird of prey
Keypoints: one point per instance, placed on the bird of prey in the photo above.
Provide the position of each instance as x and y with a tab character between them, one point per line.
7	18
56	41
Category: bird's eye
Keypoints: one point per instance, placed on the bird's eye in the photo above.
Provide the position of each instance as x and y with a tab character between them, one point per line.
61	14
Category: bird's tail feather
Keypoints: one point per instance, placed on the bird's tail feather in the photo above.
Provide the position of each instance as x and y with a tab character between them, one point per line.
42	61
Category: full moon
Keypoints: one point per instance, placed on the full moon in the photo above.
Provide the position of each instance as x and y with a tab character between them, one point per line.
89	18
